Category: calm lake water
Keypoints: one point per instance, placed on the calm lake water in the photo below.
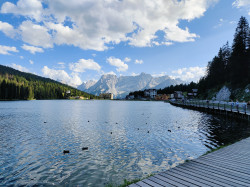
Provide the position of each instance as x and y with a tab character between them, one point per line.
31	151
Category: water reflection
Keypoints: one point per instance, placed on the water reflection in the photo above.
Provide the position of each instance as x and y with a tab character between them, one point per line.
146	137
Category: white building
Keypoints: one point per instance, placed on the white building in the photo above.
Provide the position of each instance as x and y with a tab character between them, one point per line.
150	93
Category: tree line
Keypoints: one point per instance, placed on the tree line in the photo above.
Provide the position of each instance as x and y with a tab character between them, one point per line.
17	85
231	66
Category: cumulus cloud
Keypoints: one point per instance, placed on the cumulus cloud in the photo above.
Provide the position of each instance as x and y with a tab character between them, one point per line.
4	50
98	24
134	74
121	66
32	49
138	61
19	67
35	34
30	8
109	73
127	59
242	3
189	74
82	65
7	29
31	61
159	74
61	65
62	76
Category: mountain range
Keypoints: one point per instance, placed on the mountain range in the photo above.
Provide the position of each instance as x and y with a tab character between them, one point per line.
121	86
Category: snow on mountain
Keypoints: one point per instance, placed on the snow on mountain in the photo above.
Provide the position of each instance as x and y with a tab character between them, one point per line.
121	86
87	85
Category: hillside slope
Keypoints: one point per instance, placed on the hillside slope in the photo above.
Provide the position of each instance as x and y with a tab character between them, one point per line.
15	84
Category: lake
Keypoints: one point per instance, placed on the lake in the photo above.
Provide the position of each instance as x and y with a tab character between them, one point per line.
125	140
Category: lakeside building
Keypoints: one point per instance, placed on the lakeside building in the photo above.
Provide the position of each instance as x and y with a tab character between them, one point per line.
195	92
80	97
162	97
178	95
192	94
106	96
67	94
150	93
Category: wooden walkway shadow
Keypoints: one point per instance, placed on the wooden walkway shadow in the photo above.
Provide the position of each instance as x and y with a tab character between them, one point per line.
229	166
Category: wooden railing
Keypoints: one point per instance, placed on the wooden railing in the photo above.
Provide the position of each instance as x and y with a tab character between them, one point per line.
219	105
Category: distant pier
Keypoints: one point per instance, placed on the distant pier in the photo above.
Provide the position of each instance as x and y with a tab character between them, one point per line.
231	109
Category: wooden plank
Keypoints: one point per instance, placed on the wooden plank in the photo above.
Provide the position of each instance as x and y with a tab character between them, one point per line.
225	169
159	181
170	181
203	181
201	168
151	183
184	178
133	185
228	164
142	184
225	165
228	161
175	179
212	177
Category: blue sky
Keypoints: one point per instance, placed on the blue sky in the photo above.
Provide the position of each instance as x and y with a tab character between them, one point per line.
75	41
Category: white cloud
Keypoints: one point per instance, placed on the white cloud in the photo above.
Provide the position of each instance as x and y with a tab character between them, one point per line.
62	76
7	29
134	74
30	8
109	73
127	59
177	34
138	61
19	67
32	49
61	65
242	3
21	57
96	24
4	50
31	61
35	34
121	66
189	74
82	65
159	74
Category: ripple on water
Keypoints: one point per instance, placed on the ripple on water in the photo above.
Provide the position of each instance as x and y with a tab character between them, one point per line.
147	137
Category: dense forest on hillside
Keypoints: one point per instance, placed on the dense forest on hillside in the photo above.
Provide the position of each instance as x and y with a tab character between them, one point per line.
17	85
230	67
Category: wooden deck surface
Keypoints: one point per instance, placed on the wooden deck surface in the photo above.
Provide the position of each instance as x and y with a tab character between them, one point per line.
229	166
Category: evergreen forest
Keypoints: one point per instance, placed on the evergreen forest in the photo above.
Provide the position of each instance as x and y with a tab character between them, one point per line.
17	85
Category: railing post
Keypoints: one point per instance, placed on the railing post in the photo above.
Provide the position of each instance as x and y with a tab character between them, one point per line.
224	106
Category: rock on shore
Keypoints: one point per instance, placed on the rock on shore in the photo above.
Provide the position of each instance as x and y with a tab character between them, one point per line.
223	94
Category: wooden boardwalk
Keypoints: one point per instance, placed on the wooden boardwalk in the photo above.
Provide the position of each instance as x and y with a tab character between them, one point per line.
229	166
222	108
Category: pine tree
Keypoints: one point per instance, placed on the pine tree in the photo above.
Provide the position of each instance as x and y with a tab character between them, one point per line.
238	67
